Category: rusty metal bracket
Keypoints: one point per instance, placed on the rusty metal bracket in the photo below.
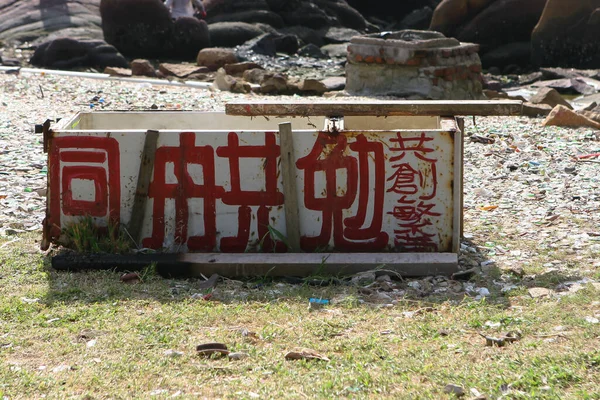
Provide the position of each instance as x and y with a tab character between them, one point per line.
47	134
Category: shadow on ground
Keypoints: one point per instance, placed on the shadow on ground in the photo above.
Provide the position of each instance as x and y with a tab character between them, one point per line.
380	287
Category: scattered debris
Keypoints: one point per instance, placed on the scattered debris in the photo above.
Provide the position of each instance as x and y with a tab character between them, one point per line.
212	349
317	304
305	354
131	278
173	353
209	283
509	337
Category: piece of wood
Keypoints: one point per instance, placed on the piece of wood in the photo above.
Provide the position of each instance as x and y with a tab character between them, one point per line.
141	193
379	108
262	264
290	192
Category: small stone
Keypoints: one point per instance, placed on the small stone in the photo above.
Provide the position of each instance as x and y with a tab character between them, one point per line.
116	71
181	70
454	389
313	85
550	97
538	292
216	57
141	67
173	353
237	356
240	68
363	278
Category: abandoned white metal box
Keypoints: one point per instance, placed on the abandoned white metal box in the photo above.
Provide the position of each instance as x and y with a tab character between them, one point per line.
318	186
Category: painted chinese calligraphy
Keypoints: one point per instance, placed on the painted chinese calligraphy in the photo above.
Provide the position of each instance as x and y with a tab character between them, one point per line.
348	233
94	160
185	188
360	192
417	186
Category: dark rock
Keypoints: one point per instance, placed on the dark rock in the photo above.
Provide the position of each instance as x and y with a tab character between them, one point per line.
276	83
312	86
256	75
116	71
67	53
190	35
340	35
214	57
536	110
309	15
336	50
306	35
567	35
151	33
240	68
231	34
10	62
493	94
568	73
385	9
530	78
494	71
32	20
141	67
490	23
252	16
344	13
517	53
550	97
269	44
311	50
217	7
334	83
181	70
417	19
569	86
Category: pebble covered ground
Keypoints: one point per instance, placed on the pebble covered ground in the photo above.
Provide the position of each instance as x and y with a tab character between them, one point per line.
533	195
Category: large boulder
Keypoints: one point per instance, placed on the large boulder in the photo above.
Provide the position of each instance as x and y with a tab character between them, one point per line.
144	28
386	9
500	27
567	34
30	20
231	34
68	53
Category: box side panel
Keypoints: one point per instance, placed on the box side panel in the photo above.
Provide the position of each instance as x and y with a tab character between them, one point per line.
210	191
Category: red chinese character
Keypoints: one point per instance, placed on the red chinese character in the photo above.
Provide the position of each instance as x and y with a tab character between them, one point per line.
335	201
412	238
265	199
181	157
416	145
411	181
89	158
372	237
412	213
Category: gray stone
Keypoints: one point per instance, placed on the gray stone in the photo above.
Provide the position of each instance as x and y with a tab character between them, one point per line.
550	97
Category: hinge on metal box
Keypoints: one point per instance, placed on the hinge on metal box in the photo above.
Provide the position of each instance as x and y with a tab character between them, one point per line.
47	133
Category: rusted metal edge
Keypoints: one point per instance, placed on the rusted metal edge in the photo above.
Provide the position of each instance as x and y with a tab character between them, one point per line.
47	134
380	108
263	264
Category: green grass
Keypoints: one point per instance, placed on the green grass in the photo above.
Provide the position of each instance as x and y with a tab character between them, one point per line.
46	345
